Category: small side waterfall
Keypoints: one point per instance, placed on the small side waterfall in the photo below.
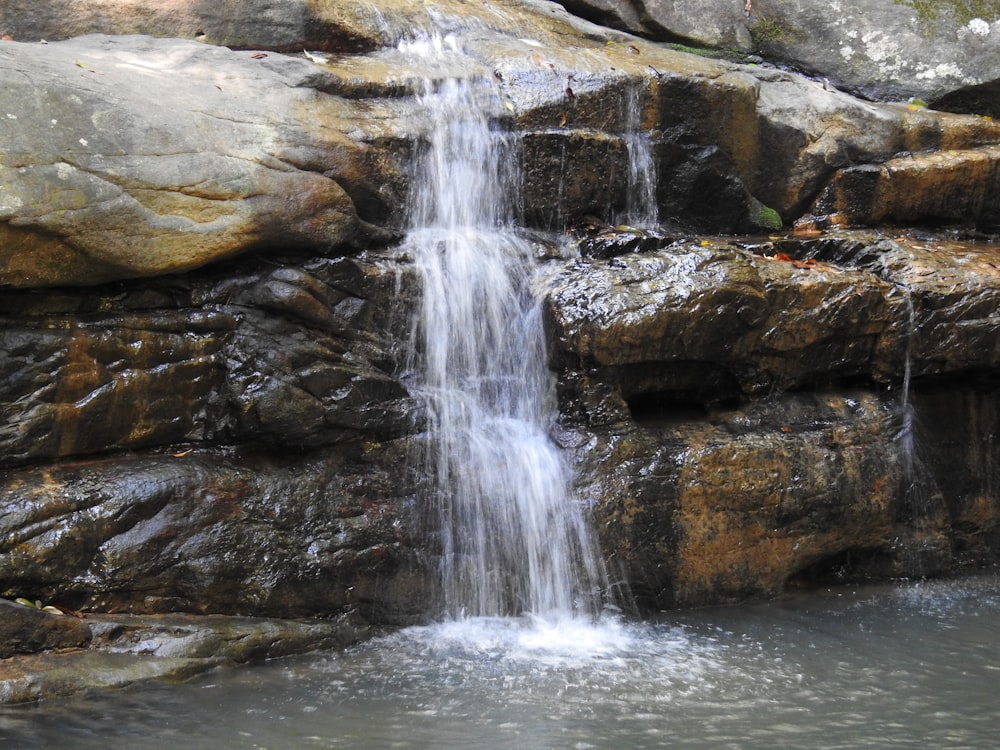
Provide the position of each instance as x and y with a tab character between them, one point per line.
641	208
906	436
922	505
512	538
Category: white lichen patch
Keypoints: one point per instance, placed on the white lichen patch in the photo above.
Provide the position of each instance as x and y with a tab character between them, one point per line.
944	70
979	27
846	51
885	52
880	46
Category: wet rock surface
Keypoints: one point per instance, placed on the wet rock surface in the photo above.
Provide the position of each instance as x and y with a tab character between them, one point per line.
750	417
268	353
774	315
208	533
29	628
128	648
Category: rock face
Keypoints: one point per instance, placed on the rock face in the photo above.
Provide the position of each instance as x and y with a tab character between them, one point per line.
884	50
99	184
109	188
710	393
204	406
129	648
273	359
887	50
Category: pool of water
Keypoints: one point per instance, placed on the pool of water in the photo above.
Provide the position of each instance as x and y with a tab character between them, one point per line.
915	665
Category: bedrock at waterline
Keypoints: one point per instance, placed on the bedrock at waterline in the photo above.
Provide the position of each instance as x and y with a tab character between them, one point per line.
205	387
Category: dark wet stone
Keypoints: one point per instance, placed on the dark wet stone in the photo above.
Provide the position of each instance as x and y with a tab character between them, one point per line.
128	649
30	629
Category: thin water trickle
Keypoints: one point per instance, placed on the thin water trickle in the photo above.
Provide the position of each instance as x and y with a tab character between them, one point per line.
641	208
906	437
512	538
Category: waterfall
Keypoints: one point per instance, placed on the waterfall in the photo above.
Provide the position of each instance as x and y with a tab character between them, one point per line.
513	539
641	208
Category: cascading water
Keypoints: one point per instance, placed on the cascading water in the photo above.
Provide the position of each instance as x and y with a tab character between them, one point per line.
512	539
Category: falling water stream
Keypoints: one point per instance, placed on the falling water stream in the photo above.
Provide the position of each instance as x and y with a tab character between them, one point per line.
641	207
523	656
512	539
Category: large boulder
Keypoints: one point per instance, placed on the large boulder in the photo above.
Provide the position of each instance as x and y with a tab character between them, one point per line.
887	50
144	157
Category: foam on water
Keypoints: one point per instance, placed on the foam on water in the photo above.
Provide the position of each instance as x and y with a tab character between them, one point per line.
884	667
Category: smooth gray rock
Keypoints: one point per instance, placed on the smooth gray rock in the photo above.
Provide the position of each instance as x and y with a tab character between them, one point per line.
139	156
884	50
942	52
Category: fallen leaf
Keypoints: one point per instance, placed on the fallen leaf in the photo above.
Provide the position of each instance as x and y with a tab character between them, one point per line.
182	453
782	257
632	48
258	55
785	428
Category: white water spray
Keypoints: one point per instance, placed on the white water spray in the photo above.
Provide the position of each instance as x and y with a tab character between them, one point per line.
512	538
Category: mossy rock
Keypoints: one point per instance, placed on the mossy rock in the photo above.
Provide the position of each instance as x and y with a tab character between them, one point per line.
962	11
